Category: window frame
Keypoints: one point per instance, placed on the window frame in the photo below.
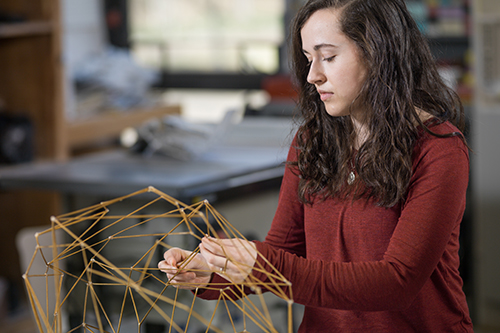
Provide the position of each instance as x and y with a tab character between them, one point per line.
197	80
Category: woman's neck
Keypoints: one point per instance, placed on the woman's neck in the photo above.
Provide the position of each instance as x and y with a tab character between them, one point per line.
362	132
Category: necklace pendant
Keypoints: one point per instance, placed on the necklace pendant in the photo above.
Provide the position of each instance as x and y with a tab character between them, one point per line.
351	178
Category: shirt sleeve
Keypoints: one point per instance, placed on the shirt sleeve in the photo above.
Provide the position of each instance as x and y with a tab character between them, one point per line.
431	213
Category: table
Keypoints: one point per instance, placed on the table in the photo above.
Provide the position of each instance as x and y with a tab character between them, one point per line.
251	155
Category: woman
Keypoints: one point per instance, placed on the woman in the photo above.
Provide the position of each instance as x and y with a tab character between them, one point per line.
367	226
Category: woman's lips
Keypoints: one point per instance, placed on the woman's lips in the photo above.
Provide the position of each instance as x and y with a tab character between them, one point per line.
324	95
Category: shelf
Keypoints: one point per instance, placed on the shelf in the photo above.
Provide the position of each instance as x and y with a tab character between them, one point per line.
112	123
26	29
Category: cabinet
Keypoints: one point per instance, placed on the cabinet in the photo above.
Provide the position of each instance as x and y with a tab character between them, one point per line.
31	70
31	85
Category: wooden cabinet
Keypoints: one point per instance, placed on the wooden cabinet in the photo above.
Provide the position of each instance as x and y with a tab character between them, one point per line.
31	71
31	85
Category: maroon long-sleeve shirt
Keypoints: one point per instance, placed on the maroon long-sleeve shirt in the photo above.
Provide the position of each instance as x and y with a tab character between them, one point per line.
358	267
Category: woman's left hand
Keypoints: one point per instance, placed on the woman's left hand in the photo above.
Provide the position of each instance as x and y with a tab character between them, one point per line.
232	258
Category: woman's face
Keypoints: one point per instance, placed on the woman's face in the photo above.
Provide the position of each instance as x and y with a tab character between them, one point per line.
336	69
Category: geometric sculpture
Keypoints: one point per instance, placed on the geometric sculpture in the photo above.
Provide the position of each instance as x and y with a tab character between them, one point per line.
98	267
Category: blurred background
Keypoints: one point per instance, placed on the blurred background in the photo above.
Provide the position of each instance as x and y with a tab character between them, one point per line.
86	78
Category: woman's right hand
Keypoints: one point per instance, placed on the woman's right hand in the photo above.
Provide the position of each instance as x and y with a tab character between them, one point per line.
185	269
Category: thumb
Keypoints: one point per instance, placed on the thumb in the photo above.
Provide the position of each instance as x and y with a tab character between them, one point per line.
173	256
172	261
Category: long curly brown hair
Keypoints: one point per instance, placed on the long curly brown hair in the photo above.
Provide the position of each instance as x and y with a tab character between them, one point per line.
402	76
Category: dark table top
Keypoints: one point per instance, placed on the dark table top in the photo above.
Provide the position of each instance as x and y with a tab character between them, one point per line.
251	153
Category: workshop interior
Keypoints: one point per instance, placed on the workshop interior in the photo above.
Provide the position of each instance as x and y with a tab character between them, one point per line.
102	98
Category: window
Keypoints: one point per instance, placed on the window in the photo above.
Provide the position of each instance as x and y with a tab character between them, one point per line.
208	37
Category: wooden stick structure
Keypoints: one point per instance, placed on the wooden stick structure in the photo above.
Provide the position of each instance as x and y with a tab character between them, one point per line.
95	270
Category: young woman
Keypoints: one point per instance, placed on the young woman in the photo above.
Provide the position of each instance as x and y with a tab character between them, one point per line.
367	227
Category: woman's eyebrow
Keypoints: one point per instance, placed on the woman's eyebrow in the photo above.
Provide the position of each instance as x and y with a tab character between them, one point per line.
321	46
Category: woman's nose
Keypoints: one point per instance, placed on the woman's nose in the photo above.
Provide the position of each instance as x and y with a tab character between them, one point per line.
316	74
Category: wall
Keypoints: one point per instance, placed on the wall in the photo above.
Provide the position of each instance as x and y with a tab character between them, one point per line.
83	36
485	182
486	163
84	31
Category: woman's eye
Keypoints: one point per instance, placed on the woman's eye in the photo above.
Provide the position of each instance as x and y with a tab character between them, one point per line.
329	58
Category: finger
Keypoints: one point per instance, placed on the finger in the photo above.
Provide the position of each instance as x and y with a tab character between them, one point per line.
173	256
235	249
162	265
213	246
224	247
184	281
230	245
181	277
167	268
238	243
216	263
175	274
171	263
